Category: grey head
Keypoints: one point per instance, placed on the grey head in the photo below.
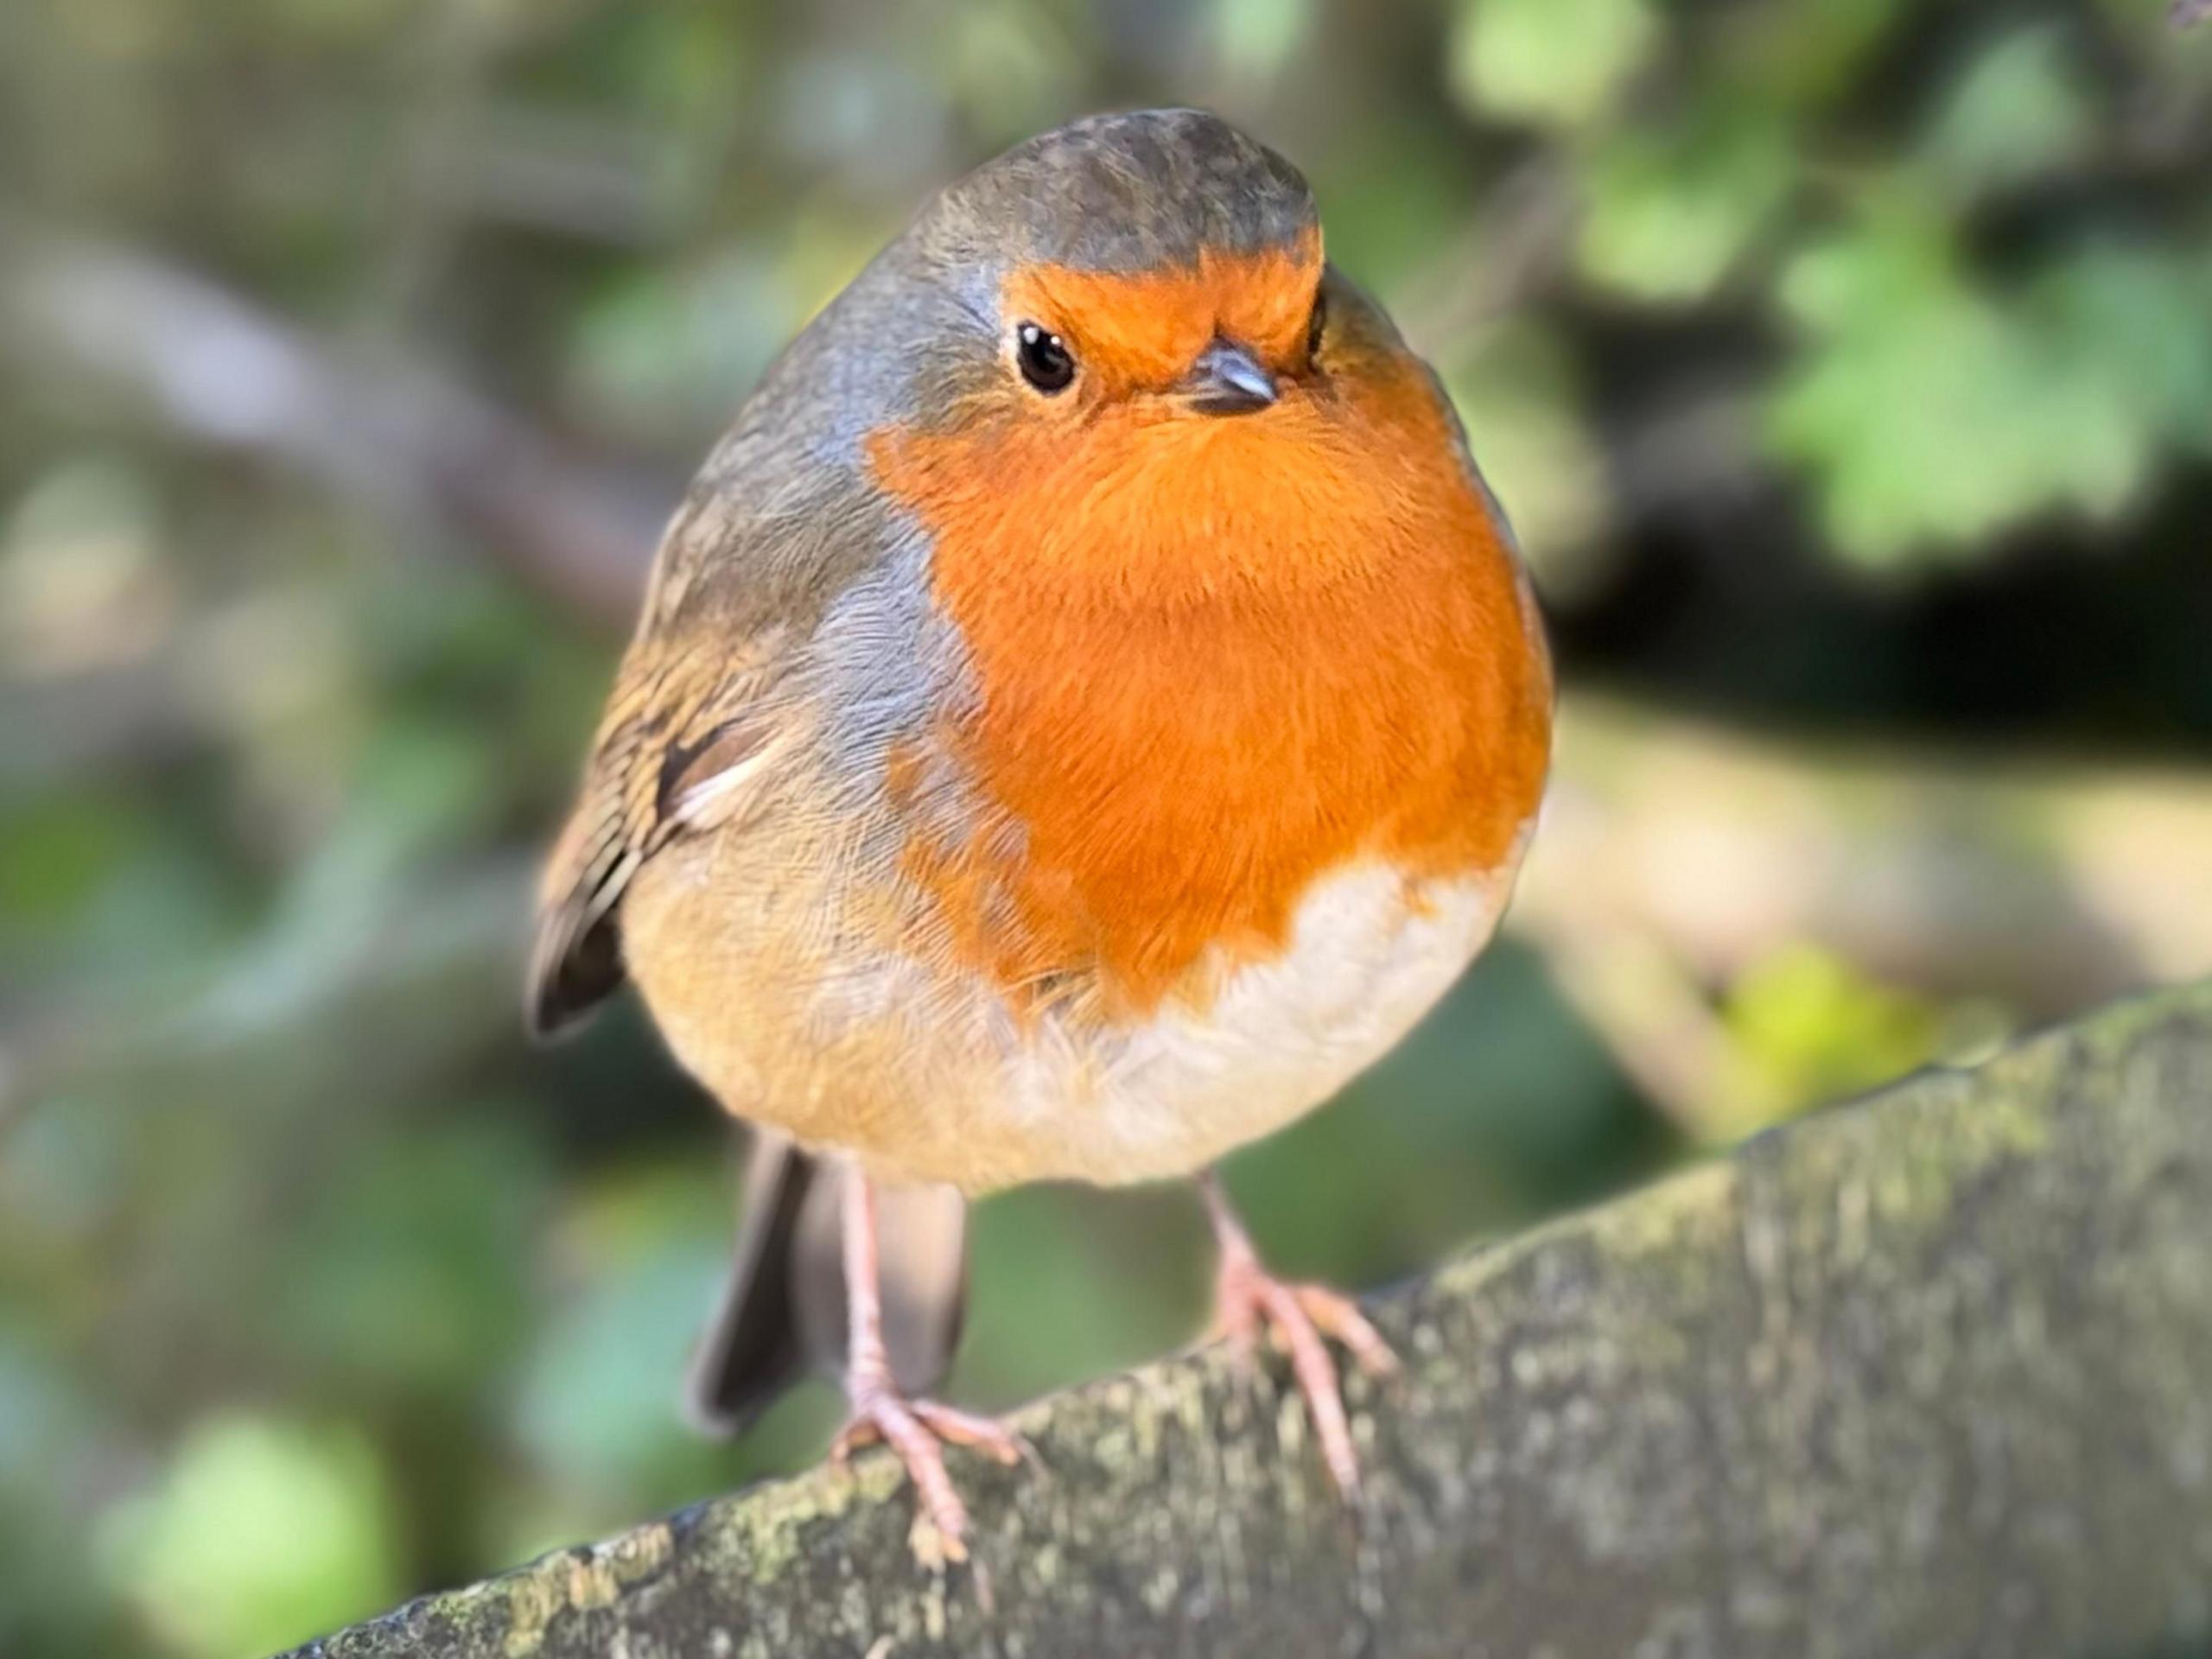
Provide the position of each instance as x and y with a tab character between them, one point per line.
921	334
1133	191
921	326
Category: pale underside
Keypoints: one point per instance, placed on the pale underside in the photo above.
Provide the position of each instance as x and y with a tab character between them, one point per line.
785	1001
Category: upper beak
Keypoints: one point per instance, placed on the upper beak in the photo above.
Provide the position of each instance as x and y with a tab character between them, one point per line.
1228	380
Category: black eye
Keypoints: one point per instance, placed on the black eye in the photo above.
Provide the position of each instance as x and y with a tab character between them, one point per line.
1047	362
1317	324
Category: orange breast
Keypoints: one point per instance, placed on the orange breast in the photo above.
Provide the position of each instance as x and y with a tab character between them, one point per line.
1216	658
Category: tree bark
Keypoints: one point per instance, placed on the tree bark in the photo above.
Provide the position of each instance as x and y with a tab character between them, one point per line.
1927	1374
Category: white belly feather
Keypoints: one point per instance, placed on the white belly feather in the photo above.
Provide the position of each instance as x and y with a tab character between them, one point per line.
923	1072
1368	956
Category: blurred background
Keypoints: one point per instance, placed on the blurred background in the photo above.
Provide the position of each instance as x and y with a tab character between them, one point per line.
1847	366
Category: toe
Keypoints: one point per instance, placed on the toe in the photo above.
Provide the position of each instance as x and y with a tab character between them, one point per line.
1317	1380
917	1432
858	1434
1339	1319
984	1435
1302	1319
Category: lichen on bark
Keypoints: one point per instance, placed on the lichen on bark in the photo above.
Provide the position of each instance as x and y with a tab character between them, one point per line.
1929	1372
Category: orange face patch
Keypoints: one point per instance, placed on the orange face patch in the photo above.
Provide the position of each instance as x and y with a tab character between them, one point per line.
1216	656
1141	331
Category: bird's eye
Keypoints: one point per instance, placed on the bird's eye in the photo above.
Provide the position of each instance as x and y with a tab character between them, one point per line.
1316	324
1047	362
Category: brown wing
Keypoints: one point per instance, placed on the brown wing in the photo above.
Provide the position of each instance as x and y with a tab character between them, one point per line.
764	543
686	726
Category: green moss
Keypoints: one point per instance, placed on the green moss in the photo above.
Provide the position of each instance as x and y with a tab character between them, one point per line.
1694	1379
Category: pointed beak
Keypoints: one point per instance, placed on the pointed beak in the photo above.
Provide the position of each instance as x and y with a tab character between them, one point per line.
1228	380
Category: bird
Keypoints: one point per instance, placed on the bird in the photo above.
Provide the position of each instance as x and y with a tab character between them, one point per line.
1087	708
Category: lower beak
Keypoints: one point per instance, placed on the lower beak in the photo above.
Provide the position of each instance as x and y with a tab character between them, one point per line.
1228	380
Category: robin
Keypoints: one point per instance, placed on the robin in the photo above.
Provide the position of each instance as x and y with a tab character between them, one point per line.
1086	709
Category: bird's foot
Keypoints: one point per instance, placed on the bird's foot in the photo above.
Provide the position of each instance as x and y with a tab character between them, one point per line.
1303	1319
918	1431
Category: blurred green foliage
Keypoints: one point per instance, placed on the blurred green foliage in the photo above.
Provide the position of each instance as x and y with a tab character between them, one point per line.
257	1531
1809	1026
316	1286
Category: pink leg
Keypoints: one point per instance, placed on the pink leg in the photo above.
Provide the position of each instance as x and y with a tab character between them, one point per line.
1300	1317
917	1431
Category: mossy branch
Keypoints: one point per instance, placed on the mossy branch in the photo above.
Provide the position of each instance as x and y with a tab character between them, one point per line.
1930	1373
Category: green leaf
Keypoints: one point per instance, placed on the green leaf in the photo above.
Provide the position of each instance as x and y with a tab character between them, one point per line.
2143	316
1256	40
2019	111
1931	413
1555	63
262	1533
1808	53
1668	214
1808	1025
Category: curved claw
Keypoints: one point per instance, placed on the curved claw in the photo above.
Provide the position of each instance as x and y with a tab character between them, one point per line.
1302	1319
1337	1317
918	1431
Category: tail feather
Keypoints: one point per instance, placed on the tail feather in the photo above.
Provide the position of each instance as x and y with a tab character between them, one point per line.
753	1350
782	1312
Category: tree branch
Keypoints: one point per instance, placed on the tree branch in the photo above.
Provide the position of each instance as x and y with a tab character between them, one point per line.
1923	1374
410	443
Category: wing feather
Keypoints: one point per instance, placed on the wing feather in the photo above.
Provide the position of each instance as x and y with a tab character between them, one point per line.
686	733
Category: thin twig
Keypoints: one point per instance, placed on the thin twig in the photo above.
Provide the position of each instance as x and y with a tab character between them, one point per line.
409	442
